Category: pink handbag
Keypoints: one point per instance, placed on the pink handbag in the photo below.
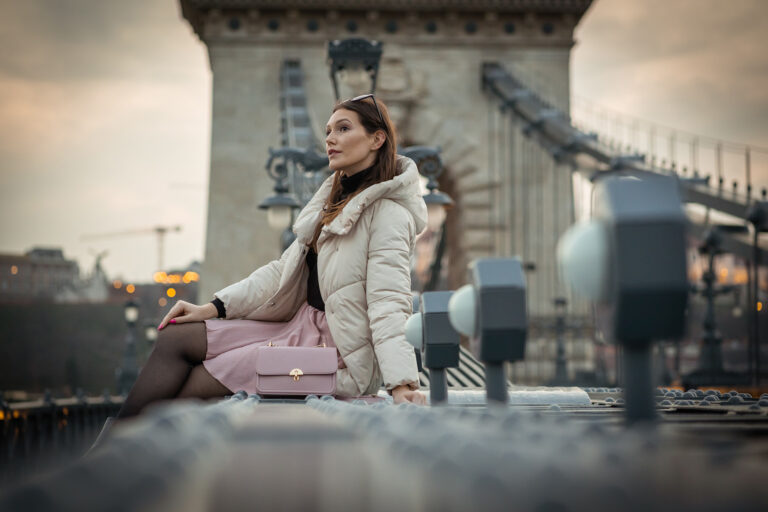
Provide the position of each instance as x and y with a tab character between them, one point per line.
296	371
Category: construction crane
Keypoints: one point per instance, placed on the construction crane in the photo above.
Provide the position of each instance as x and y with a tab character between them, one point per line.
160	231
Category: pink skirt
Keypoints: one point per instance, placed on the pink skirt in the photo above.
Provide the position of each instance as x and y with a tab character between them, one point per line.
232	344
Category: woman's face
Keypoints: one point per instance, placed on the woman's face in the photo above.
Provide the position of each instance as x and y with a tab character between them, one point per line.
349	147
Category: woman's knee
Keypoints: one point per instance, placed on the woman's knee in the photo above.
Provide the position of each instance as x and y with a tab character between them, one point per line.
201	384
186	340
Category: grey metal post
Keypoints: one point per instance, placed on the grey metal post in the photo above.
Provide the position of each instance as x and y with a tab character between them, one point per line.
438	386
748	172
502	320
440	342
646	283
719	163
637	211
496	382
638	385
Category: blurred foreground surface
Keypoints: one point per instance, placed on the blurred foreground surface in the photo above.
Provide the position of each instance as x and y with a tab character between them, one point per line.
707	451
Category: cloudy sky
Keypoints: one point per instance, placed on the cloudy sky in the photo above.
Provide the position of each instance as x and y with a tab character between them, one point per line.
105	109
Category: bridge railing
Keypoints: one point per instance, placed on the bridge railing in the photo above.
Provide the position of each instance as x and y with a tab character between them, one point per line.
555	132
733	166
35	434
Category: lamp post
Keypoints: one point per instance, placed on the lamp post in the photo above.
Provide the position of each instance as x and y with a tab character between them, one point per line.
281	204
710	369
150	335
431	167
561	365
126	374
758	217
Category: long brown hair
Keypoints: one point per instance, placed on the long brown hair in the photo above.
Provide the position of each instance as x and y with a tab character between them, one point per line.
384	167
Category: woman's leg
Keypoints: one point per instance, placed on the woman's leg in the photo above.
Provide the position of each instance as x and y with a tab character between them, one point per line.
201	384
178	348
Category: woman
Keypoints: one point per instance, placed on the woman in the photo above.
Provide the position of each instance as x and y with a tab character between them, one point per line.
344	281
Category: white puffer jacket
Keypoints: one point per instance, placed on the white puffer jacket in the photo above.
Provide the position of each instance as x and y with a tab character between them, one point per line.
363	268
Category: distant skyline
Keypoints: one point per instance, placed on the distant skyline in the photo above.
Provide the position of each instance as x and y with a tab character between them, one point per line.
105	110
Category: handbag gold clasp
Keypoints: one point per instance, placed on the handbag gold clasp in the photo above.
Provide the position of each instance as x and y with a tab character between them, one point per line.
296	373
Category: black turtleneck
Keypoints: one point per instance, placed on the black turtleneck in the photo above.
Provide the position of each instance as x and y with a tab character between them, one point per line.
349	185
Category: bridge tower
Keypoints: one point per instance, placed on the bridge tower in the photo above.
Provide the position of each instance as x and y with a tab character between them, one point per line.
511	196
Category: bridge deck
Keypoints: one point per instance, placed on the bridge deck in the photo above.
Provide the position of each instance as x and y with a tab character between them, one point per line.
324	454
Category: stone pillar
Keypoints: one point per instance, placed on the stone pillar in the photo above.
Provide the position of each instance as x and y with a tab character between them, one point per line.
430	76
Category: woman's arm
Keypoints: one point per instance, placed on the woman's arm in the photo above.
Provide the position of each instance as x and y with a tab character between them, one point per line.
242	297
388	293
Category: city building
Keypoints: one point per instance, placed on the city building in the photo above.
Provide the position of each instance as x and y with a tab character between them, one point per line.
39	274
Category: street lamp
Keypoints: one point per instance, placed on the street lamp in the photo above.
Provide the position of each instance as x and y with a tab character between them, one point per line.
150	333
431	167
150	337
757	215
710	369
355	56
561	368
280	205
304	170
131	312
127	373
437	203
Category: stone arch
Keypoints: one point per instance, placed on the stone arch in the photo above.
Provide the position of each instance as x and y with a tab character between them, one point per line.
471	231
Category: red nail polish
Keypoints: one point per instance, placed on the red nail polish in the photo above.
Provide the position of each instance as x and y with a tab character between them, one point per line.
173	321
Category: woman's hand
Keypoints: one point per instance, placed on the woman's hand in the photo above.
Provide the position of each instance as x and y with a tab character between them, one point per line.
183	312
405	394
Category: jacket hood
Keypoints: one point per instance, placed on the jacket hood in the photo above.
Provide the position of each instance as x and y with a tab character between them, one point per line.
403	189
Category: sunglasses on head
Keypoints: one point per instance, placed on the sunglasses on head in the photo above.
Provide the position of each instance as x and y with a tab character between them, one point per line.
366	96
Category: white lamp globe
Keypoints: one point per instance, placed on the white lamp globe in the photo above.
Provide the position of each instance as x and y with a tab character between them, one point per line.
435	216
461	310
413	330
279	217
582	255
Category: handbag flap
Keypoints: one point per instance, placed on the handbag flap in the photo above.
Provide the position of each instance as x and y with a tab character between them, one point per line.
310	360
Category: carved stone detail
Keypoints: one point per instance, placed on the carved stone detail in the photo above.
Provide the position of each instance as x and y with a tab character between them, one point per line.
443	22
399	87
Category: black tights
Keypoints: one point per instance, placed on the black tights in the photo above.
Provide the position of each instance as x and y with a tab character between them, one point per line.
174	370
